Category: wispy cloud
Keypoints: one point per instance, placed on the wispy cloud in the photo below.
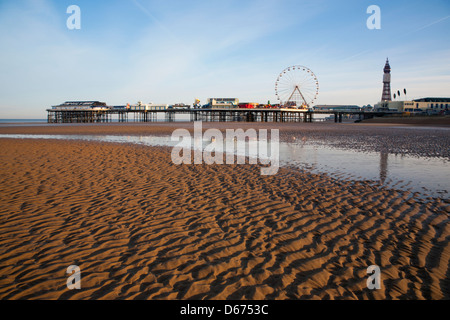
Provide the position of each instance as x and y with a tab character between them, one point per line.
429	25
154	19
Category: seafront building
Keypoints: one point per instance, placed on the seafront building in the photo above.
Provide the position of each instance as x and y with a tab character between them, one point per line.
424	105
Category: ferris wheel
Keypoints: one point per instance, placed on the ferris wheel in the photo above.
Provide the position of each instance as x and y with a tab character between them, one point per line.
297	86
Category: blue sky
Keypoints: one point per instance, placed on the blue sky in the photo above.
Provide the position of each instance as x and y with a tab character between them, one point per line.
175	51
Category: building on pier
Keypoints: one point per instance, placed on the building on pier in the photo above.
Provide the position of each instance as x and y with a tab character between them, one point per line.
336	108
147	107
223	103
248	105
81	105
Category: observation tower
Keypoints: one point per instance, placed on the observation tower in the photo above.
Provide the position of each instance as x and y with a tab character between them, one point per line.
387	83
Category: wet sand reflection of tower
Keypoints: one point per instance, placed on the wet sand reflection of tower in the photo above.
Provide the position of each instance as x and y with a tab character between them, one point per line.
383	166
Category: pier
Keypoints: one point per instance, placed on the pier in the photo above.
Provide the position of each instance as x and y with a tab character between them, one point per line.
206	115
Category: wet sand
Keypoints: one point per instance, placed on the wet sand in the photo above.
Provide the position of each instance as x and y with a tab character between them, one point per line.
424	140
415	120
140	227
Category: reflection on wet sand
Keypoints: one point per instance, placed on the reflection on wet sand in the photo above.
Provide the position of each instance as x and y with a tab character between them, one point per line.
383	166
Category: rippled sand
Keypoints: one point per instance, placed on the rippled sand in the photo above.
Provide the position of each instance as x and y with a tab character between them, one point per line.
140	227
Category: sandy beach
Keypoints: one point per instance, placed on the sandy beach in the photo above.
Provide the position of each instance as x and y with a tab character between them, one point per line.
140	227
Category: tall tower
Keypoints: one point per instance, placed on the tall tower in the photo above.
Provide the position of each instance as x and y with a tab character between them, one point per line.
387	83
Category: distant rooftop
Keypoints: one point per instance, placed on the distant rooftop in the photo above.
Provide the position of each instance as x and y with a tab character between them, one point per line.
83	103
432	100
79	105
336	107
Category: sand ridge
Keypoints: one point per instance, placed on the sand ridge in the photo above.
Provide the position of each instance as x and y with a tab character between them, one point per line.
140	227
